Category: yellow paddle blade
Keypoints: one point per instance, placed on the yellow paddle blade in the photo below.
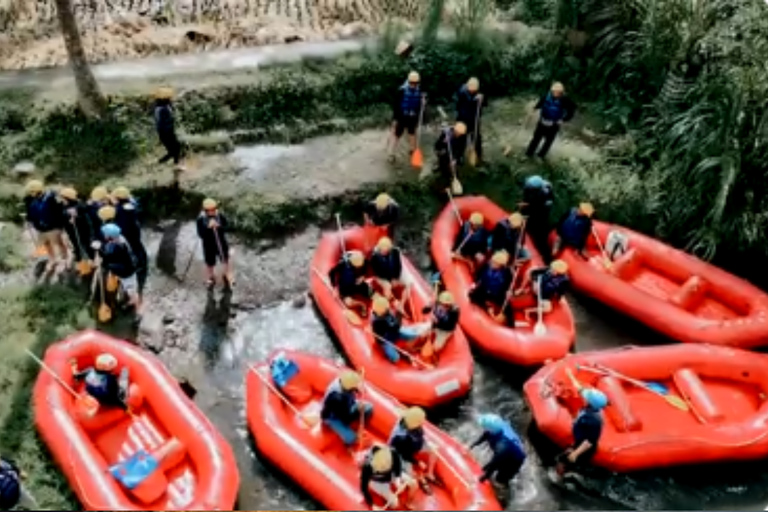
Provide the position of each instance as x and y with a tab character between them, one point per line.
84	267
472	157
310	419
105	313
676	401
352	317
417	159
40	251
540	329
112	283
456	187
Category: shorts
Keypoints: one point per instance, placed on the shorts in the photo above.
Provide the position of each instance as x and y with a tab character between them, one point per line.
130	285
356	291
421	456
211	254
49	237
406	123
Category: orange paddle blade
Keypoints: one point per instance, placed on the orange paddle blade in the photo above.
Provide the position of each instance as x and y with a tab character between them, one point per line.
417	159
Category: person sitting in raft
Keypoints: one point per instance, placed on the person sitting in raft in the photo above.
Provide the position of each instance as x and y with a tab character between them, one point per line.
407	440
382	473
99	199
77	225
117	259
472	241
552	282
586	429
493	283
349	275
387	267
445	318
43	212
341	408
388	329
102	383
212	227
506	445
574	230
506	237
382	212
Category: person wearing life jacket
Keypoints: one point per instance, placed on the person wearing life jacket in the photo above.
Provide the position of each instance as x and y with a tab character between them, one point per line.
408	441
506	445
587	429
99	199
349	276
538	198
574	230
127	218
77	224
472	241
407	110
342	409
383	212
506	237
118	259
102	381
492	285
449	148
44	213
165	124
386	266
389	331
554	109
212	228
445	319
382	473
552	283
469	108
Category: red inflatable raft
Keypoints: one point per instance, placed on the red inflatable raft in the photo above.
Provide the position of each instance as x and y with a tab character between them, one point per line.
411	384
672	292
705	404
317	460
520	345
197	469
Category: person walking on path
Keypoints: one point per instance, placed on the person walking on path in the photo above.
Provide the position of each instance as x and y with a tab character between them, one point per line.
165	123
469	107
407	111
555	108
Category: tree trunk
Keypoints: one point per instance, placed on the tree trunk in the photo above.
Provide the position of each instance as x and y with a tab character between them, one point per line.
91	101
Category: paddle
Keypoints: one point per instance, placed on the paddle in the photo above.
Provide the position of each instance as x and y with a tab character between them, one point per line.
539	329
105	312
84	266
674	401
472	155
90	404
308	419
454	207
341	236
402	352
228	264
521	236
38	250
361	426
417	158
606	260
456	187
350	315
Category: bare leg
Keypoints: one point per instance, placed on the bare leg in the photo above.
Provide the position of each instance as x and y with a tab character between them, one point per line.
412	140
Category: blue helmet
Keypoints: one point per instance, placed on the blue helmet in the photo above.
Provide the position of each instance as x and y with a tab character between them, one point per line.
534	181
493	423
110	230
595	398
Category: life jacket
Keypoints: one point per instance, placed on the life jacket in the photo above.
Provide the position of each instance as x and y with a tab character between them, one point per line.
495	281
466	106
119	258
553	285
344	274
387	326
507	441
386	266
552	110
538	200
206	233
445	317
10	485
381	477
43	212
164	122
102	386
407	443
410	104
505	237
477	242
575	229
341	407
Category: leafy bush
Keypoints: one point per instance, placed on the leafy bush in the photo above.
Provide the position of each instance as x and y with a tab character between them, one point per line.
11	257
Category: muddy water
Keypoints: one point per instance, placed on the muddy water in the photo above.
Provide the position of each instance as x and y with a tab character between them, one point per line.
210	340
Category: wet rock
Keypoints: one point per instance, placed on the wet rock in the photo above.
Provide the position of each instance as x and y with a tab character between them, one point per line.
168	318
174	337
299	301
24	168
151	331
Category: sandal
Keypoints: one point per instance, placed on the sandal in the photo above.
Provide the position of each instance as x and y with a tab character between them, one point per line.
210	283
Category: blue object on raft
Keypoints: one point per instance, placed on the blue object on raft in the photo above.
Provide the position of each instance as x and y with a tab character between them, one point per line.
135	469
282	370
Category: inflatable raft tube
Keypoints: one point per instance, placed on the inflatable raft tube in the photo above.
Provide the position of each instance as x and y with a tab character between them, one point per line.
413	384
706	404
316	459
517	346
197	469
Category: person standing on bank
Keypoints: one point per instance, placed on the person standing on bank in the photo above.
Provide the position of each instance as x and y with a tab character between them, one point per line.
165	123
407	110
555	109
469	107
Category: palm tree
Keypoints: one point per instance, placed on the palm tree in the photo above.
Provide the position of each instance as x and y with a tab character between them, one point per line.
90	99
